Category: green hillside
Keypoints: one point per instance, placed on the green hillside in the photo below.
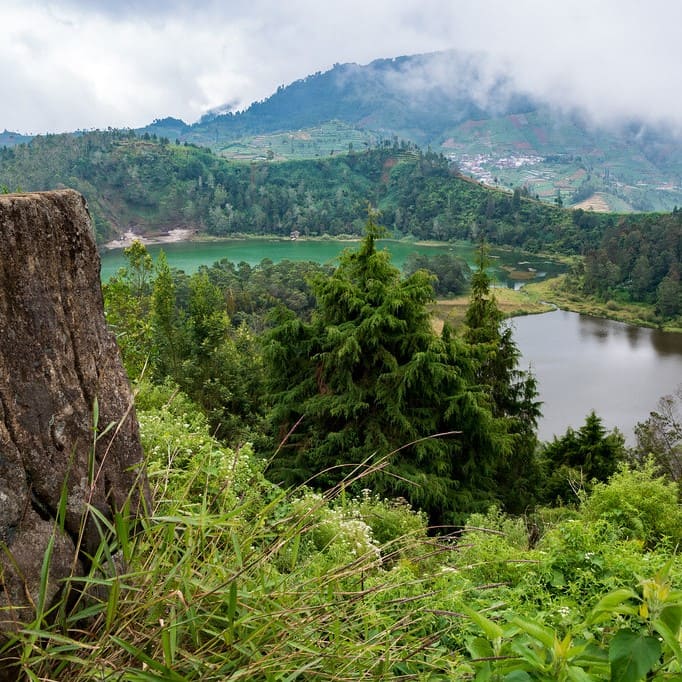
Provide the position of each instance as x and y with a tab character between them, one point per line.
447	101
145	185
150	186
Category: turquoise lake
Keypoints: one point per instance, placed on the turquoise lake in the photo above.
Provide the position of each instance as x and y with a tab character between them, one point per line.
189	256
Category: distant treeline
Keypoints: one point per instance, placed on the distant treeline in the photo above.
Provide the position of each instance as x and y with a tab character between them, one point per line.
637	258
150	184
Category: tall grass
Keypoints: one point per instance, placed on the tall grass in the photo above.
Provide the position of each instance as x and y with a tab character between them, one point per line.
229	577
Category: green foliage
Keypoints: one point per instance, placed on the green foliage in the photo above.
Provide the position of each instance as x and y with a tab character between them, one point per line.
368	388
128	180
126	304
632	655
576	460
170	326
639	504
636	258
334	534
188	465
451	273
148	182
628	630
231	578
393	521
489	546
168	323
660	436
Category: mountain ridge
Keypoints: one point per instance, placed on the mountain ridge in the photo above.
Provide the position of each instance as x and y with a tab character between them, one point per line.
455	103
458	104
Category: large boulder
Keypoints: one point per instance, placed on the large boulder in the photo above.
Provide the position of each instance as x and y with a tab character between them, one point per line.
67	423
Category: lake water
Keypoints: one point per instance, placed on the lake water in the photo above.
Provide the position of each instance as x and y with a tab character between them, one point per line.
188	256
581	363
584	363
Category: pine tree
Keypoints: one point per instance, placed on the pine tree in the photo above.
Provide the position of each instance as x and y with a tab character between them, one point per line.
579	458
369	379
513	392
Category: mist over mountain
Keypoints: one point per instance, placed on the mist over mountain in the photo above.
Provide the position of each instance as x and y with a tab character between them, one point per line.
415	96
469	108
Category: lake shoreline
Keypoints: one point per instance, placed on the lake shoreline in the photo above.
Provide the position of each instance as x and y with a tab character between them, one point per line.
532	298
171	237
636	315
178	236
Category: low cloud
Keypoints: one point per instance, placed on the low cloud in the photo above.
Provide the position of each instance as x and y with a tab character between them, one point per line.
71	64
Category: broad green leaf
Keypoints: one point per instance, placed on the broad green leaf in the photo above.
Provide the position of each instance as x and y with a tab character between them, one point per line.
518	676
668	637
479	647
613	603
672	617
528	654
612	599
543	634
632	655
576	674
491	629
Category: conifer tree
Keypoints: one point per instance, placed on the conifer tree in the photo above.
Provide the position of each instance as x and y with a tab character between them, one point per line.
578	458
368	378
513	392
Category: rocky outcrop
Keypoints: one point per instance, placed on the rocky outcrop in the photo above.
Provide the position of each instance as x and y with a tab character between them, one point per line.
67	425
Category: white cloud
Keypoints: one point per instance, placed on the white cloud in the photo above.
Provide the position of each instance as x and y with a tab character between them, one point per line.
71	64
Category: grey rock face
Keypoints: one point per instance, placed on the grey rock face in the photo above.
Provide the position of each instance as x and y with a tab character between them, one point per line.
57	360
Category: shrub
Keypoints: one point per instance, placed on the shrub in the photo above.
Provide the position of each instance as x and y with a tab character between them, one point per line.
186	465
639	503
397	528
491	546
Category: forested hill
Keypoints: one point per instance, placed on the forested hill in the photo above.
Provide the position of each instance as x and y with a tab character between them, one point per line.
153	185
149	185
456	104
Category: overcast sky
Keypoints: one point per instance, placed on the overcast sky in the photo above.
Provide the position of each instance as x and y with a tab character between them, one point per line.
80	64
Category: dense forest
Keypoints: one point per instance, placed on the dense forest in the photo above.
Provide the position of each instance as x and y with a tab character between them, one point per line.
146	183
151	184
637	258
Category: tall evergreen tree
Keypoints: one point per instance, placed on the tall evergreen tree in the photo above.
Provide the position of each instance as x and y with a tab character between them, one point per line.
579	458
369	379
513	392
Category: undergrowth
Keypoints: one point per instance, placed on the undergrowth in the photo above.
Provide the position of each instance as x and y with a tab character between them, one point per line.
231	577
